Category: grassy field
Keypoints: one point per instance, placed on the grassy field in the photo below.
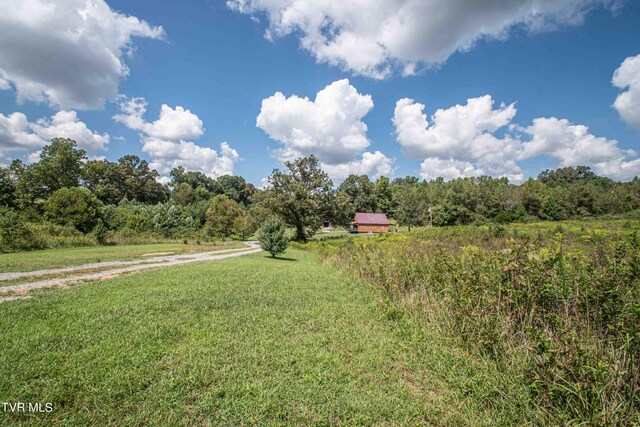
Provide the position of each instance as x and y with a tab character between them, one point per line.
55	258
250	340
555	305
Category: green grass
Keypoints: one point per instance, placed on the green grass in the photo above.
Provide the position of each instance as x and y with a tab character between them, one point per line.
249	340
55	258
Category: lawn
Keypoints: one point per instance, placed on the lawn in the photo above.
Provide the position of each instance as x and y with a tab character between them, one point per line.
249	340
55	258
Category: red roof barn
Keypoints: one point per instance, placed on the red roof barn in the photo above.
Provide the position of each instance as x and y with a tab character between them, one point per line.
370	223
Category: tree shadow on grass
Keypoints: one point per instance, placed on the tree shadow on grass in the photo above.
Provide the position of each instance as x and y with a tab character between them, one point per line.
280	258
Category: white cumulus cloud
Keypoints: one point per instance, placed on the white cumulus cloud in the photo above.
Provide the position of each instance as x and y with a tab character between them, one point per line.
68	53
373	164
480	139
627	78
166	140
573	145
459	136
372	37
19	135
331	127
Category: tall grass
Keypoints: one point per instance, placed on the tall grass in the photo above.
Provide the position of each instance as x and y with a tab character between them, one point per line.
556	308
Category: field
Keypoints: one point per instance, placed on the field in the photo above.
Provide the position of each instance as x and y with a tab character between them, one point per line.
241	341
527	324
555	306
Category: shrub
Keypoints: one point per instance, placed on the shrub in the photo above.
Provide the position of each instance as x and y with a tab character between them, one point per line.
272	236
76	206
100	232
14	234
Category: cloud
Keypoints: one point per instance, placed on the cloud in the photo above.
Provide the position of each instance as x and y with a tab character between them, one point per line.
68	53
17	134
627	78
67	125
330	127
433	167
374	165
374	37
165	140
573	145
459	136
480	139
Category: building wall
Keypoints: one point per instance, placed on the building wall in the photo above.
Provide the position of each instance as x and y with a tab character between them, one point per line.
373	228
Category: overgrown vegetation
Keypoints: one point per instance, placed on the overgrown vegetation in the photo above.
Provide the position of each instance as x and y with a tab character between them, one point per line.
555	307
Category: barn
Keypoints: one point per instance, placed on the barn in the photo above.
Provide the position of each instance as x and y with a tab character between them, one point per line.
370	223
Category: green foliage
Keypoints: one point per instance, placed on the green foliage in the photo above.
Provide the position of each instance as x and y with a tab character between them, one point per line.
409	207
302	196
100	232
77	207
235	188
361	193
131	178
7	188
384	196
183	194
170	220
222	215
60	166
272	236
14	234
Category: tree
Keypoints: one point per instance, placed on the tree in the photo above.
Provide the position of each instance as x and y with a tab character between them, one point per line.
408	202
235	188
105	180
130	178
272	236
195	179
384	195
7	189
140	181
183	194
301	196
361	192
77	207
60	166
221	216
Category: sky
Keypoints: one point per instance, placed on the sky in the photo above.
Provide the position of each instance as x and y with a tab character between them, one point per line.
430	88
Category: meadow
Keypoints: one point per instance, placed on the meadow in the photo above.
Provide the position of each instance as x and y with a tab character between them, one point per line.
250	340
521	324
555	307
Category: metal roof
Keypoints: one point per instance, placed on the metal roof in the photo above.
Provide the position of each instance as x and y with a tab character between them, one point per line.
371	218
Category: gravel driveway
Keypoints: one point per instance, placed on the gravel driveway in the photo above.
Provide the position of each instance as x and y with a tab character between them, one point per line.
124	267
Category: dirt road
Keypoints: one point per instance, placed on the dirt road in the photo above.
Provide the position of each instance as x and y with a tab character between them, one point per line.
123	268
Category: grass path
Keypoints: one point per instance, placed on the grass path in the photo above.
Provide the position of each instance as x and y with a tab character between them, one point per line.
249	340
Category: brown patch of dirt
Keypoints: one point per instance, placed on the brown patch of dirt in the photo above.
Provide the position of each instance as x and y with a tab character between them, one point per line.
158	253
113	276
14	298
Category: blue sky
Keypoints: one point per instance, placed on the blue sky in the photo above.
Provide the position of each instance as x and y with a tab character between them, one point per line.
213	59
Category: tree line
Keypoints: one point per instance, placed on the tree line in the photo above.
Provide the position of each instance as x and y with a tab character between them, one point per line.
65	197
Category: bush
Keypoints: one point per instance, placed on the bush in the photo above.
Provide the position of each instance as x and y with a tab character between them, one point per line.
272	236
77	207
14	234
100	232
